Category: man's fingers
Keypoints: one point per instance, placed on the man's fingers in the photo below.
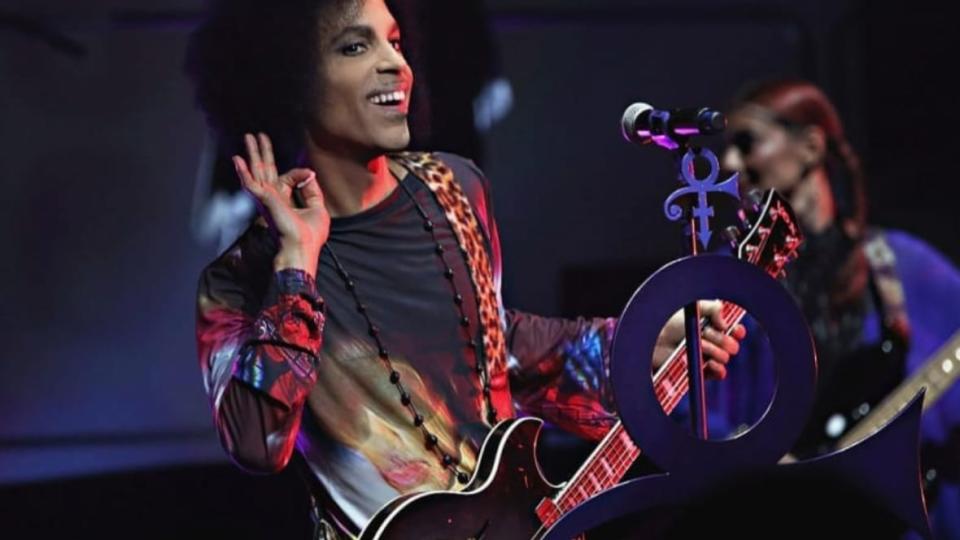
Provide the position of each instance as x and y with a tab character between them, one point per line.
246	178
714	352
722	340
304	181
266	195
732	346
266	153
310	192
295	177
715	370
739	332
709	307
256	163
714	310
718	347
728	343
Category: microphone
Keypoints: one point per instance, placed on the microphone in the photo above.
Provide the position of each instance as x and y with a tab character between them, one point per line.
641	123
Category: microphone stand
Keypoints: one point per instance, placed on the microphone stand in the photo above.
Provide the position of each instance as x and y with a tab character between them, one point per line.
697	217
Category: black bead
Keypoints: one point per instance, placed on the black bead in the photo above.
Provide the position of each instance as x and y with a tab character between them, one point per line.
374	330
458	299
428	225
383	353
439	249
394	376
447	460
464	321
448	273
479	369
362	308
462	477
431	440
351	285
405	398
417	420
486	391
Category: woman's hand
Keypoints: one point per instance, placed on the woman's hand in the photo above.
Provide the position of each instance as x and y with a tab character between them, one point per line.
302	228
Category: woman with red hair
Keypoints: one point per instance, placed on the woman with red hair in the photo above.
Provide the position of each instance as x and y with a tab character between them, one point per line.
879	302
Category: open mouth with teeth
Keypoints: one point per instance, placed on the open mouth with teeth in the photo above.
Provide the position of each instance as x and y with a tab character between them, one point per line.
388	99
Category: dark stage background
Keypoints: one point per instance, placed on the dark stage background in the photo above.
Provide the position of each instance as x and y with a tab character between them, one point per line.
105	425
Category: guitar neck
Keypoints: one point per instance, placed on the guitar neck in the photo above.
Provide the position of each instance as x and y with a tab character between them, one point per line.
616	452
937	374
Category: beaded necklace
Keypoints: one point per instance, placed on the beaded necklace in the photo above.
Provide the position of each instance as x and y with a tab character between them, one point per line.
430	439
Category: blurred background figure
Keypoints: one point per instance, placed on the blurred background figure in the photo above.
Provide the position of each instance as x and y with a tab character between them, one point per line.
879	301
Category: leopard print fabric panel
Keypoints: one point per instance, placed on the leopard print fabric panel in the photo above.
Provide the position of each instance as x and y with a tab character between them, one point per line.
459	213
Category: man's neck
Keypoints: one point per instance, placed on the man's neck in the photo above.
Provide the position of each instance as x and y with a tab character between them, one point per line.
351	184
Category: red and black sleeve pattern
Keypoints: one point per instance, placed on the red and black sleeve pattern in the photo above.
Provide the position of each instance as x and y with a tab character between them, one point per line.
259	353
559	371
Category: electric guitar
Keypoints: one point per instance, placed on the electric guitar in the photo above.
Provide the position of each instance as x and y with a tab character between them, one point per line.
937	374
508	497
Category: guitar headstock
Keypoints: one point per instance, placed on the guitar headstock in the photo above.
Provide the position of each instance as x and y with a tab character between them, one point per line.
773	236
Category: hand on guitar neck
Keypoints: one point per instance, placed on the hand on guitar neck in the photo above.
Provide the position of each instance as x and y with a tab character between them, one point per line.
720	341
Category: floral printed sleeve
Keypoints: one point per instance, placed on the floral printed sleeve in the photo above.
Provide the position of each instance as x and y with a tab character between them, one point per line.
258	358
560	371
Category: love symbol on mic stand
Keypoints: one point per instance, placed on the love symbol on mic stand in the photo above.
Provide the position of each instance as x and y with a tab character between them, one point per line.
735	487
702	212
699	472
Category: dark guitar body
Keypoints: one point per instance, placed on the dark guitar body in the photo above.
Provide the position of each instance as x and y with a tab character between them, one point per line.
864	376
497	504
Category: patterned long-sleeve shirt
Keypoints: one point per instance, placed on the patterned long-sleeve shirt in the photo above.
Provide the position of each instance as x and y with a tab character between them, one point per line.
289	363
